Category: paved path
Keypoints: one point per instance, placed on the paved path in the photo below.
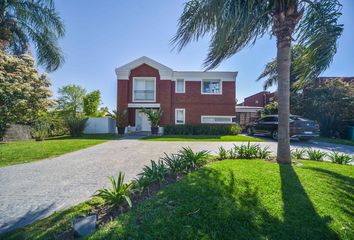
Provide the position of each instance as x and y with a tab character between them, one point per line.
32	191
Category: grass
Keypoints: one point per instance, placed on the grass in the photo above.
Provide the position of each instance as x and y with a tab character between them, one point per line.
203	138
28	151
234	199
55	224
336	141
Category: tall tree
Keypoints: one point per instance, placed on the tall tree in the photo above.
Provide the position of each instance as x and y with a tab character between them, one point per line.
70	100
23	22
24	92
91	102
236	24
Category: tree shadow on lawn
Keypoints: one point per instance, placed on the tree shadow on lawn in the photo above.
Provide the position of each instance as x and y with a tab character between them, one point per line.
301	221
210	205
341	186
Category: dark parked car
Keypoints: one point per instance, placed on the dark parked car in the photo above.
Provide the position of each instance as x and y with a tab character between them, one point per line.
300	128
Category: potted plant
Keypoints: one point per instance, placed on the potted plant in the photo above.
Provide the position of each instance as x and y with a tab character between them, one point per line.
154	116
121	119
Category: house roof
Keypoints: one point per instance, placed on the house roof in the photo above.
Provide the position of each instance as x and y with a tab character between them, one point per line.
167	73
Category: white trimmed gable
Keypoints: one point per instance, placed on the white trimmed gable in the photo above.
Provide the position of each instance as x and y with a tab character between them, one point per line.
167	73
123	72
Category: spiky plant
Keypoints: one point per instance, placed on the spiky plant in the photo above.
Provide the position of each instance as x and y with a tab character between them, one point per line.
340	158
118	193
193	159
315	155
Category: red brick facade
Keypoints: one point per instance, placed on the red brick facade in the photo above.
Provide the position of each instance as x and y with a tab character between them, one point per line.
193	101
259	99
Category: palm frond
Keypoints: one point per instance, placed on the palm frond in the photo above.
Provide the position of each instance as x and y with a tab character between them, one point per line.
318	32
34	22
232	25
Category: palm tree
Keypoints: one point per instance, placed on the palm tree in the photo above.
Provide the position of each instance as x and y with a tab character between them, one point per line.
32	21
236	24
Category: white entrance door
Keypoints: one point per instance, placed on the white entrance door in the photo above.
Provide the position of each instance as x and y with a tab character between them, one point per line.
141	121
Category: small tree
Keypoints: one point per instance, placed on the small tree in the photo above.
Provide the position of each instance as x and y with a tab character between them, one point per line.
91	101
154	116
70	100
121	120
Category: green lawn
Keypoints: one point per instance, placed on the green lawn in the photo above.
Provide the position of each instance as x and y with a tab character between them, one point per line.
203	138
28	151
335	140
234	199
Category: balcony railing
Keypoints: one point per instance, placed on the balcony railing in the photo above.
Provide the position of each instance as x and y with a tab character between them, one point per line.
144	95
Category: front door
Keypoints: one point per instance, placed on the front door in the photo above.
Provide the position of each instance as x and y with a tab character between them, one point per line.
142	122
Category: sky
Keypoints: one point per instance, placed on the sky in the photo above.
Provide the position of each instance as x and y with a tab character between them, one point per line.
103	35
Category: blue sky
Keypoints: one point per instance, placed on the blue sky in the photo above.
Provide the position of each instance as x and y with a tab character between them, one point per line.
102	35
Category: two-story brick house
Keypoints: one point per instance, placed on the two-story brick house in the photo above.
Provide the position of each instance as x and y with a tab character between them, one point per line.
185	97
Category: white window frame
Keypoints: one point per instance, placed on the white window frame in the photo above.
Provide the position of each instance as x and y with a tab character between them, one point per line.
184	85
210	80
144	78
184	116
204	116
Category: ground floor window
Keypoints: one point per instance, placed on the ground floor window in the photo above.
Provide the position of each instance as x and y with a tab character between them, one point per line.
180	117
217	119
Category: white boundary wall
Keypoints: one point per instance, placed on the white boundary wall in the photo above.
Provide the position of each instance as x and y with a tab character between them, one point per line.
100	125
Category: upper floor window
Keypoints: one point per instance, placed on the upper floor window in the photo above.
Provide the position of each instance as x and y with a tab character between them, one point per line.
211	87
180	86
144	89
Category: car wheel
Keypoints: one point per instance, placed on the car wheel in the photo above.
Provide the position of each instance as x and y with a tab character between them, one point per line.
275	135
250	131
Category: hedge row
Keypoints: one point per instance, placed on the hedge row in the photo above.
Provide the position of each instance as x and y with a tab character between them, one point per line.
203	129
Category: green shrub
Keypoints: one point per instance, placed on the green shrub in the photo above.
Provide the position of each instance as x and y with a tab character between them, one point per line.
316	155
175	163
140	184
248	151
40	129
156	172
76	125
235	129
193	160
119	192
264	153
340	158
202	129
298	153
232	154
222	153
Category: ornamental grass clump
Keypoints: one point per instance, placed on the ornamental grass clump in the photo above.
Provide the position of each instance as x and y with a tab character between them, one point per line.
340	158
175	163
118	194
298	153
315	155
248	151
222	153
156	172
193	160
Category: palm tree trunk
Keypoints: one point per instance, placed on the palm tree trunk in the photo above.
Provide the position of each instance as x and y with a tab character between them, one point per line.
283	27
283	65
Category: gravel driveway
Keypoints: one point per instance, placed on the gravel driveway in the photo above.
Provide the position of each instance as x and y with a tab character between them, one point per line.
32	191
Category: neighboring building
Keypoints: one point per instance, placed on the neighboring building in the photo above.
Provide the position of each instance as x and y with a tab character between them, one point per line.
185	97
259	99
246	114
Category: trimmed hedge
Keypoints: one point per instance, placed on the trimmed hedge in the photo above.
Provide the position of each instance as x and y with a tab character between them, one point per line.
203	129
